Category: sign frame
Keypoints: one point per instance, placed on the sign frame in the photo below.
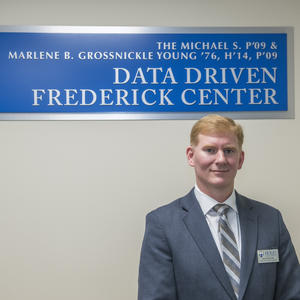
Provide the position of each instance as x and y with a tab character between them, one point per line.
289	114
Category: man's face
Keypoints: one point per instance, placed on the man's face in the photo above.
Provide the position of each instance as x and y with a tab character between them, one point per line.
216	159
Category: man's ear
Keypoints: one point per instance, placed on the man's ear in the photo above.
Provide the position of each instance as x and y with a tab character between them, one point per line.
190	155
242	158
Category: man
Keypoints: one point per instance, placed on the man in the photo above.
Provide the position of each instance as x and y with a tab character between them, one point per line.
213	243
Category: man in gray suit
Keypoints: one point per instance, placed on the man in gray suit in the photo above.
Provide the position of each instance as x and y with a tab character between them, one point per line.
213	243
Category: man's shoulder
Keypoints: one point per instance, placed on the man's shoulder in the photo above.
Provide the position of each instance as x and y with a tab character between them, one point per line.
258	206
171	209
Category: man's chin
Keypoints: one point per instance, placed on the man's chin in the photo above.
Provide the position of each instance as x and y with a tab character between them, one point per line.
221	183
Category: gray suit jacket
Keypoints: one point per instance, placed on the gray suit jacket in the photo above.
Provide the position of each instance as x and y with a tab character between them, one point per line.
180	260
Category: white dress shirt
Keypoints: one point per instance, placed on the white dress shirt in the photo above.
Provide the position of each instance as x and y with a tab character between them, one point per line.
212	218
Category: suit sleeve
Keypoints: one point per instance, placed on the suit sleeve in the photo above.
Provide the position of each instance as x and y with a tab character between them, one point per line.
156	273
288	275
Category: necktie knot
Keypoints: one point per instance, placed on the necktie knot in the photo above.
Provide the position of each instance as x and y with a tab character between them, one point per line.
221	209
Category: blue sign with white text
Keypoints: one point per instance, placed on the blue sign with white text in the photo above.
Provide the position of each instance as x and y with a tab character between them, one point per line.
142	72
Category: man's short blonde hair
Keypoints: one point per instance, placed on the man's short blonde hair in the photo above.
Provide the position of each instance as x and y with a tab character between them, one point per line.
214	124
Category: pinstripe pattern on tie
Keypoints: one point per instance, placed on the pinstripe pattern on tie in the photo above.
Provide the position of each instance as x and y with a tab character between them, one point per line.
231	257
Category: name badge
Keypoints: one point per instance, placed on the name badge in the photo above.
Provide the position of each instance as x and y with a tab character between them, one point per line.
267	256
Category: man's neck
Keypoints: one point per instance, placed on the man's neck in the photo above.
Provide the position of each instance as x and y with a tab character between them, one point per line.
220	195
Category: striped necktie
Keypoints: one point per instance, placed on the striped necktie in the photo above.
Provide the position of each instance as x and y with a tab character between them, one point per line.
231	257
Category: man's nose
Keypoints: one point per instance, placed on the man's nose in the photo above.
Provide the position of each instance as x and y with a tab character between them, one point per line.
220	157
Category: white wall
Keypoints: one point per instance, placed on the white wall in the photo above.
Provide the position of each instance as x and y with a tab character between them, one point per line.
74	195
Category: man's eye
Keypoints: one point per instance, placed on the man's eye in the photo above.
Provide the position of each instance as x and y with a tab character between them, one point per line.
228	151
210	150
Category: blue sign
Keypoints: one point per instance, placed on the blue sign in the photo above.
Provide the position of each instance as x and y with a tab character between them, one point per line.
143	73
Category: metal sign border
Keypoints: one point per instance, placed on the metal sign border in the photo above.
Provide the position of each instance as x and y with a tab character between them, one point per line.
289	114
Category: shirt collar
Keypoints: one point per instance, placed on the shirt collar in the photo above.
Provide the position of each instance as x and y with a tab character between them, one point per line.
207	203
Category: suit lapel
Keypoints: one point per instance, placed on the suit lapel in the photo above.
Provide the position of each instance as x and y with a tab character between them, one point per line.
197	225
248	224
